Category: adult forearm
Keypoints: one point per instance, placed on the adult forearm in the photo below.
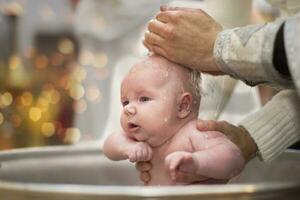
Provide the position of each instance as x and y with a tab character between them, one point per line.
246	53
276	126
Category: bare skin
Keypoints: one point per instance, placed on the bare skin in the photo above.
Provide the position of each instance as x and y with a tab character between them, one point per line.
184	36
245	143
159	125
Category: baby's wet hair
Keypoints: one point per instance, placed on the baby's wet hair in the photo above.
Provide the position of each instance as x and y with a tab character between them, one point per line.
195	81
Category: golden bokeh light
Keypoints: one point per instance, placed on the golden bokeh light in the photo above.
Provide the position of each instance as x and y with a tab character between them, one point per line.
1	118
48	129
72	135
76	91
79	73
100	60
6	99
65	46
41	62
26	99
86	58
93	94
14	62
43	104
55	97
35	114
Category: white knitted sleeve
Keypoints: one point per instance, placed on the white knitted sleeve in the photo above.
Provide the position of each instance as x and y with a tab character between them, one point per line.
276	126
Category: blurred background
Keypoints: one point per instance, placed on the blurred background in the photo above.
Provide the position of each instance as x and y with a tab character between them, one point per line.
38	58
57	58
62	62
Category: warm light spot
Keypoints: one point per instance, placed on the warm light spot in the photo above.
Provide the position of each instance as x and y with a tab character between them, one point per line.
1	118
79	74
6	99
26	99
41	62
100	60
72	135
55	97
14	62
43	102
48	129
93	94
13	8
77	91
65	46
249	189
35	114
80	106
86	58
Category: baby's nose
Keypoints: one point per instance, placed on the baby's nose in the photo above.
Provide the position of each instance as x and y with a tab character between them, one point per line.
130	110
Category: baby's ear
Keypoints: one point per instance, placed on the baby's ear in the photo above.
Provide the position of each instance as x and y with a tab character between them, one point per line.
184	105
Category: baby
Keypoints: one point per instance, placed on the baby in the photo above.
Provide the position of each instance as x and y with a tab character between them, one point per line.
160	107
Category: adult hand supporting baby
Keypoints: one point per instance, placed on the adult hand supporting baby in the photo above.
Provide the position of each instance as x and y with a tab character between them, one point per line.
185	36
237	134
178	177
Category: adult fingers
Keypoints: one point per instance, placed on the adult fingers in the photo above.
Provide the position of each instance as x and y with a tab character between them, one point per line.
147	45
143	166
156	49
164	17
153	38
211	125
159	28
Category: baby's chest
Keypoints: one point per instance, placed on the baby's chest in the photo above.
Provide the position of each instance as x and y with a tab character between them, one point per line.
161	153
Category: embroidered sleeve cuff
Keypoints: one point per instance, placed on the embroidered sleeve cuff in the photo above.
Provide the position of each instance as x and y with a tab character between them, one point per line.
246	53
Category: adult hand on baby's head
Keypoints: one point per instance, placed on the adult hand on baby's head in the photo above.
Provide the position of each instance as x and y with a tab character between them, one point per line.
185	36
141	151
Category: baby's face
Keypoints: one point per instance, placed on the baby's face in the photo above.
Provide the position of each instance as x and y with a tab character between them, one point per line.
149	99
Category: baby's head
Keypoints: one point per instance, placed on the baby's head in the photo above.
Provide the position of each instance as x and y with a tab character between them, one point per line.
158	98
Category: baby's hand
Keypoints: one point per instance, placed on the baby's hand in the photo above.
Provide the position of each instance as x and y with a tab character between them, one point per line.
180	161
140	151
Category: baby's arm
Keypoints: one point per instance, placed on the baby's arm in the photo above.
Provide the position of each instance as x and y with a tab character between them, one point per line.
120	147
214	156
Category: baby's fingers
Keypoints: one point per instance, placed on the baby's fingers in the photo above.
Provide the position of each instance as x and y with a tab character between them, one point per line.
187	164
172	161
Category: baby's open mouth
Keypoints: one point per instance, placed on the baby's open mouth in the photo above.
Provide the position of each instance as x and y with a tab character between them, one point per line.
133	127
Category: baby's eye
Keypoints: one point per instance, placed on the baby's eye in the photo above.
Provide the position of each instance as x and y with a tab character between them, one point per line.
143	99
124	103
